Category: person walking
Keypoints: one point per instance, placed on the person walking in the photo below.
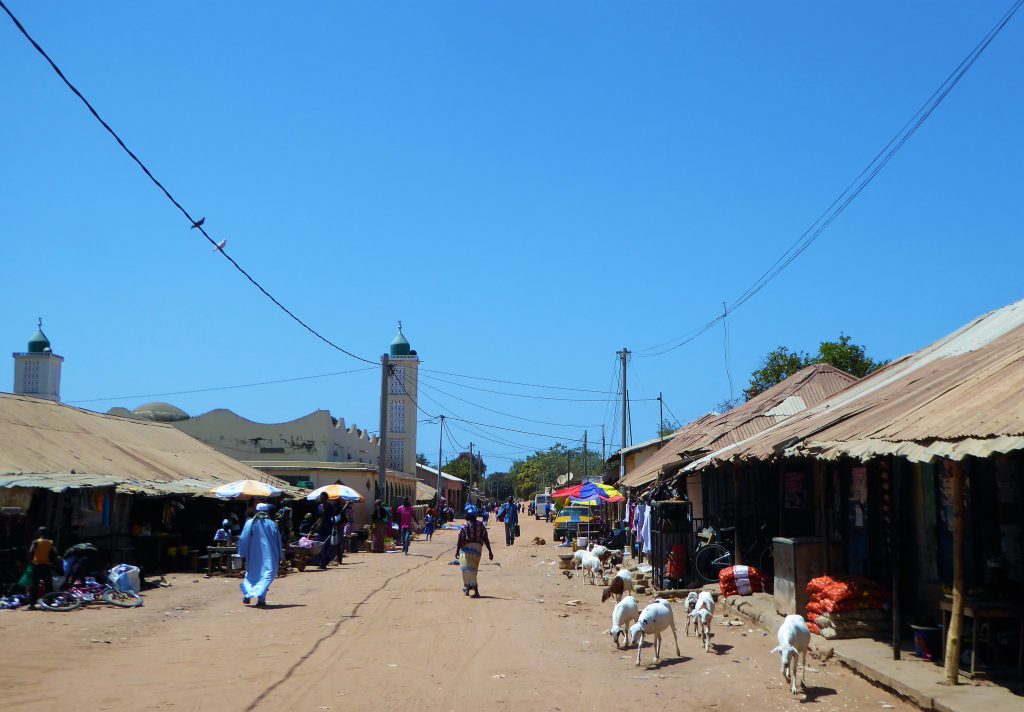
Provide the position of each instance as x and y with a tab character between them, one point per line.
547	511
259	546
378	523
325	530
405	515
428	524
472	539
41	554
509	514
348	517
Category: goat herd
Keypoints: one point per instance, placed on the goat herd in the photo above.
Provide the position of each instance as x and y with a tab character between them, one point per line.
632	624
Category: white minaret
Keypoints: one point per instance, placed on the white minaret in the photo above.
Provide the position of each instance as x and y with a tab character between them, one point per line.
402	387
37	371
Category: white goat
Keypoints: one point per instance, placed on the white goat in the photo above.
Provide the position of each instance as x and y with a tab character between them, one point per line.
702	614
691	606
794	639
577	558
655	618
592	566
625	613
622	583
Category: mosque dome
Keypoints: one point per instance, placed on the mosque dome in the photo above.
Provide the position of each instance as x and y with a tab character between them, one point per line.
161	412
38	343
400	345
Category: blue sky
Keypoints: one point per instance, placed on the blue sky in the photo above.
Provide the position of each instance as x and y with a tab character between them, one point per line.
528	186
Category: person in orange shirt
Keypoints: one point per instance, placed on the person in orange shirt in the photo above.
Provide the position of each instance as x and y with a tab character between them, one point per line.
41	554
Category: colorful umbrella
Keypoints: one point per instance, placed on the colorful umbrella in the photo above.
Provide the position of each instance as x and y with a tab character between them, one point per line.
246	489
336	491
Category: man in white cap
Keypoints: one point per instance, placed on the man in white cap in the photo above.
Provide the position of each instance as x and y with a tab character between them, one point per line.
260	550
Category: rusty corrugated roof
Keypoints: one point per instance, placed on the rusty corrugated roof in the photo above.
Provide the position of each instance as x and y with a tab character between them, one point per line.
807	387
959	396
54	446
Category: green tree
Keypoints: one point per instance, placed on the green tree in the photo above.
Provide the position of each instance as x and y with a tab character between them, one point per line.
499	485
668	427
544	467
782	363
461	467
422	459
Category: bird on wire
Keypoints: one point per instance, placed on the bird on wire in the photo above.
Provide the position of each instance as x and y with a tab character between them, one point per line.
198	223
220	246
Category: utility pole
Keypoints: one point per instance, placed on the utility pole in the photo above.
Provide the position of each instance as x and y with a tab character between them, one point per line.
624	355
471	467
584	455
385	369
440	451
661	421
604	452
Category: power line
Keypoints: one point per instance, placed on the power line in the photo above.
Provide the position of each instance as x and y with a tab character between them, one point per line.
193	222
222	388
854	189
526	395
514	383
507	415
725	348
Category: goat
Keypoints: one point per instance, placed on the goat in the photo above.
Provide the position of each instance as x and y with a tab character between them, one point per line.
691	606
794	639
703	618
602	552
625	613
655	618
621	583
577	558
592	566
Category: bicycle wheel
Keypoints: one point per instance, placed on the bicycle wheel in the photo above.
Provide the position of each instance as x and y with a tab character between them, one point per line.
122	599
710	560
59	601
766	563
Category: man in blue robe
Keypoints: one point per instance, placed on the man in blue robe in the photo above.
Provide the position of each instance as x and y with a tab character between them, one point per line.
260	549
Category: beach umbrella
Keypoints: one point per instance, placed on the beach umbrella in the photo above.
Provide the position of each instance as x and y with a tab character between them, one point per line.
246	489
336	491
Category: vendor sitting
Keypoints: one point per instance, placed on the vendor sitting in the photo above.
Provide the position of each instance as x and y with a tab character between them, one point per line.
223	535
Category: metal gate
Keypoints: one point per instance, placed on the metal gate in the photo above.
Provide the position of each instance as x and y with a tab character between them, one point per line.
671	528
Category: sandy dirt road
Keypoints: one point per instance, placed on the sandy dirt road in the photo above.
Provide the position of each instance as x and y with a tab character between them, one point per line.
390	631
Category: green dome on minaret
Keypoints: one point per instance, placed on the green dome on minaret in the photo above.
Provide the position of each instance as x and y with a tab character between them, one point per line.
400	345
39	343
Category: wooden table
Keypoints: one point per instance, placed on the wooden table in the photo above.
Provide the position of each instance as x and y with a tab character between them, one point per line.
978	611
224	551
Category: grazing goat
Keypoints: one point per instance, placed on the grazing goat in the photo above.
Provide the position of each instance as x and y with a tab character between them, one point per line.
691	606
655	618
622	582
625	613
794	639
703	618
592	566
601	552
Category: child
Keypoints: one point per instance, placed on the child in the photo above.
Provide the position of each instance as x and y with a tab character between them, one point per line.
42	556
428	525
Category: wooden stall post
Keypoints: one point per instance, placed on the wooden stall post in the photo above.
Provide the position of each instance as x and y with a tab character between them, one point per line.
896	524
956	616
736	507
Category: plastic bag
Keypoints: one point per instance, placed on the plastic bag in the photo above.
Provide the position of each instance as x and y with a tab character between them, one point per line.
26	578
125	577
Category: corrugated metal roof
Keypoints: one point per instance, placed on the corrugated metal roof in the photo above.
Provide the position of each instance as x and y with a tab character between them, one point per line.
807	386
424	492
959	396
57	447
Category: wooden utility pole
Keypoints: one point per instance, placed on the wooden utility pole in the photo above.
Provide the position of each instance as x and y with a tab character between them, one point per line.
440	453
584	455
624	355
385	369
604	450
471	467
661	422
956	616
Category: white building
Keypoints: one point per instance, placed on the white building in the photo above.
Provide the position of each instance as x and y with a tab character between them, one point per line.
37	371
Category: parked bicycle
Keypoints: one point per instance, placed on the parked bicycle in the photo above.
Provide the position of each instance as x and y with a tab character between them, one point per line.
716	553
91	591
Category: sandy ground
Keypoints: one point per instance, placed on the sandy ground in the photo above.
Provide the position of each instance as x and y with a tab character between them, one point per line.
390	631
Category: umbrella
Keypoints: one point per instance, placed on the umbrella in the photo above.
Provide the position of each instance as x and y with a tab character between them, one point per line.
336	491
246	489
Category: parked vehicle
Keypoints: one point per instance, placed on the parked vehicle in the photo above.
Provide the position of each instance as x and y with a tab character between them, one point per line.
570	521
539	501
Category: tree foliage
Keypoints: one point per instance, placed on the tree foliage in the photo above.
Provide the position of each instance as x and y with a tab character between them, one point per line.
544	467
499	485
422	459
782	363
462	468
668	427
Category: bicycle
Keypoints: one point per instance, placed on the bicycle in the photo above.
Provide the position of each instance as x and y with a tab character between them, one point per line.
78	594
712	556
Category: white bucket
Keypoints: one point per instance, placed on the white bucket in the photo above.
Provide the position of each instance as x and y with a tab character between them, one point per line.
236	562
582	542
